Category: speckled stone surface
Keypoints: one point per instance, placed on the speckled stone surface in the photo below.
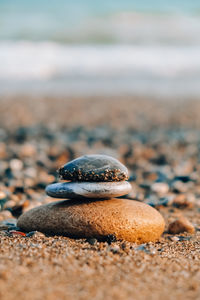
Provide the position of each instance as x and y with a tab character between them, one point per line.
94	168
125	219
85	190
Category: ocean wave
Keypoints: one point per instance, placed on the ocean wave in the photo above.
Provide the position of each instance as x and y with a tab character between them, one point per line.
47	60
123	45
142	69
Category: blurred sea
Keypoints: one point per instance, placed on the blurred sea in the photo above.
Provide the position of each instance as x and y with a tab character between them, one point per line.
143	47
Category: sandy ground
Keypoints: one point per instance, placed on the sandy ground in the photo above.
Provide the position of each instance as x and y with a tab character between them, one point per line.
158	141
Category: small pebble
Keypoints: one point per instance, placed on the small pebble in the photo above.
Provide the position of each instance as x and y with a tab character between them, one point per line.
5	214
110	238
92	241
3	200
30	234
10	222
115	249
36	234
143	248
160	188
4	227
28	150
161	202
179	187
184	238
16	164
2	195
181	201
174	238
181	225
183	178
17	232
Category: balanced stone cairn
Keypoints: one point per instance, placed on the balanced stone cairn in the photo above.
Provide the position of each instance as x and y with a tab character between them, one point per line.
90	209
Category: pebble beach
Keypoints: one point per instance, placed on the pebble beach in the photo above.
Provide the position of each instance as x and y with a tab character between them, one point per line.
157	140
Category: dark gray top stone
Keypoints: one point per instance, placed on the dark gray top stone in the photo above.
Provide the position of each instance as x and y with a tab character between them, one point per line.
94	168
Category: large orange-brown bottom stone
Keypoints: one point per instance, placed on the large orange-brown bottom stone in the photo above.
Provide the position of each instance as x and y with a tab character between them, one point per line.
126	219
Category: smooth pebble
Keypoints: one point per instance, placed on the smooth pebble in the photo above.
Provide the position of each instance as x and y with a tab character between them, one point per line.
125	219
85	190
94	168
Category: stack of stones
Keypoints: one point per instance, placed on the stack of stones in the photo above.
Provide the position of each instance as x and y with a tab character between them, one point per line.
90	208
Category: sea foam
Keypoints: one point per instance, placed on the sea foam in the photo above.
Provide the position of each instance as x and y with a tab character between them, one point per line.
134	67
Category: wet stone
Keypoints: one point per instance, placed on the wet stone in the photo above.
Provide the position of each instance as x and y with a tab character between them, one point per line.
94	168
85	190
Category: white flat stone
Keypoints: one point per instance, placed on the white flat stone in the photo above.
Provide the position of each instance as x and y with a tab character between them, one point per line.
83	190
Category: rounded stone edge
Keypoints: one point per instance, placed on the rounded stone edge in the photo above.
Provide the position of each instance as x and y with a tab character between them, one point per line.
117	174
151	235
91	195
